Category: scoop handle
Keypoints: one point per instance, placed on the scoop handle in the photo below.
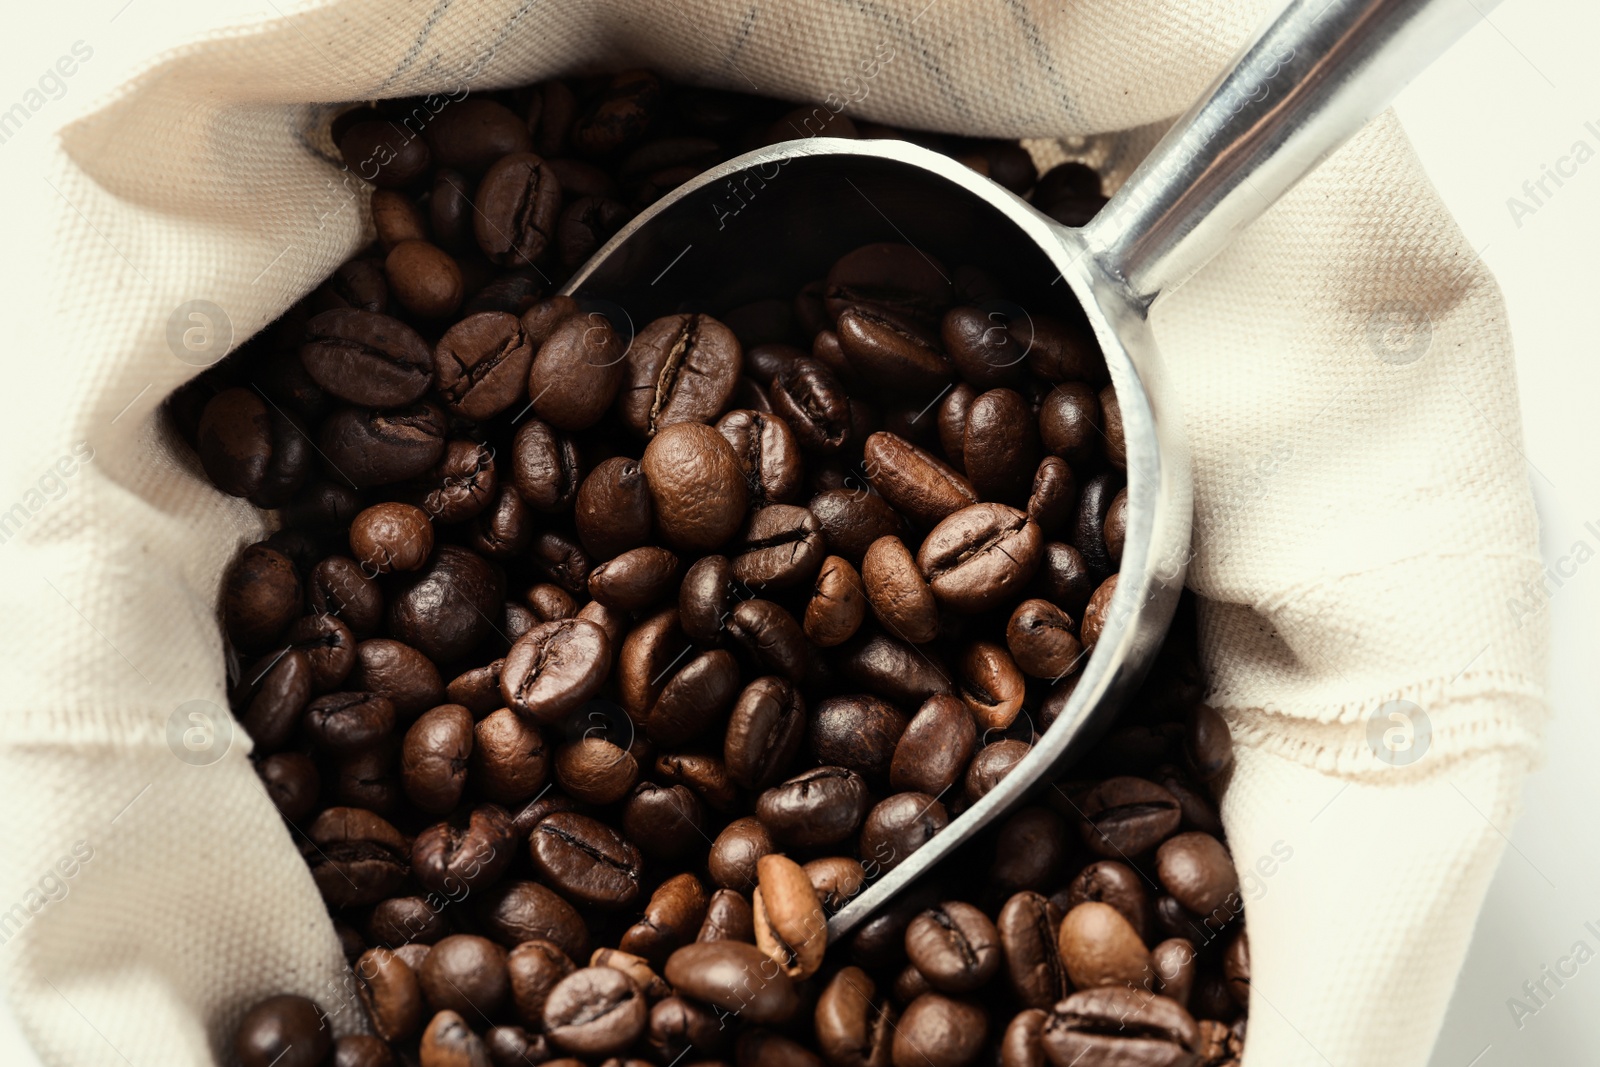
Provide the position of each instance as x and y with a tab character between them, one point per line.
1309	80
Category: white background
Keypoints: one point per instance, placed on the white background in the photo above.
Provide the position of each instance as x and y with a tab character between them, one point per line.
1509	99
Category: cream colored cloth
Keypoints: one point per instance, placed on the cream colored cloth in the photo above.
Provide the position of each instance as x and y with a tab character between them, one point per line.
1345	374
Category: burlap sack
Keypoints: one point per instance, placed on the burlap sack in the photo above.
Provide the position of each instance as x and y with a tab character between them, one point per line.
1345	374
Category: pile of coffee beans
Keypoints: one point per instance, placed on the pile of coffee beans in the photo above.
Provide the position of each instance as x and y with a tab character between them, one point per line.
593	670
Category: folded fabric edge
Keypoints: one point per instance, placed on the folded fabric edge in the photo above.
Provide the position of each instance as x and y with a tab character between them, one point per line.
1416	730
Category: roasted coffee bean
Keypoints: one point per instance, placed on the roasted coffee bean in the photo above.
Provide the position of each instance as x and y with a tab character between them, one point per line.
578	370
893	351
728	918
448	859
1069	423
465	973
644	663
390	992
450	218
366	358
404	920
1064	579
918	483
1061	352
1173	961
283	1031
449	1042
900	598
433	761
1197	870
362	1050
368	447
473	133
515	1046
1089	530
676	1025
338	587
982	347
768	454
272	695
424	279
514	912
1120	1025
550	602
680	368
396	670
348	722
516	206
292	782
561	560
823	806
671	919
810	398
705	599
695	696
1125	816
533	968
1096	612
939	1031
1208	744
1040	638
952	423
1100	947
837	880
894	276
554	669
356	284
1116	447
1000	449
504	528
613	511
980	556
781	545
594	1011
990	684
764	732
585	224
391	537
635	967
771	637
595	771
893	669
1198	811
897	827
789	922
586	860
838	604
935	747
481	364
1029	849
544	467
509	759
910	983
1053	497
446	607
955	946
733	976
368	779
356	858
460	486
991	764
636	579
260	596
735	852
1117	884
856	732
696	486
1023	1042
854	1025
1116	527
619	115
1236	968
665	820
1027	929
385	153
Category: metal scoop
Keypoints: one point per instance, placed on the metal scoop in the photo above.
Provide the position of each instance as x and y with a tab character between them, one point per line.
766	223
